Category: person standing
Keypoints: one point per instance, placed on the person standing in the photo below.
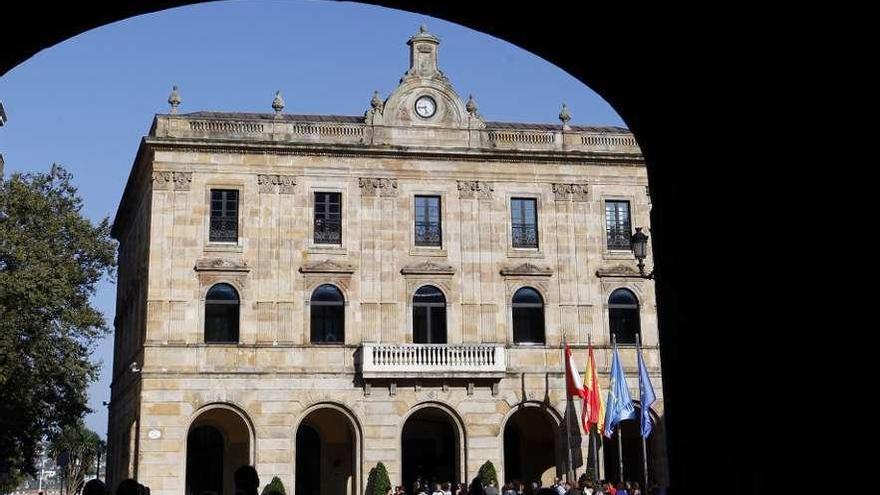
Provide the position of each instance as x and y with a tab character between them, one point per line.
558	486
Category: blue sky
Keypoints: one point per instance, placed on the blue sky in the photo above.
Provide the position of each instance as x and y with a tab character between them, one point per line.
87	102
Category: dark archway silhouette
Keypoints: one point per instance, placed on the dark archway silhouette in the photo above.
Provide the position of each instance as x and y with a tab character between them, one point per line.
683	87
430	448
530	447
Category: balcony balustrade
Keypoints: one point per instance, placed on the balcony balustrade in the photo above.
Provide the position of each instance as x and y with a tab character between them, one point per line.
432	361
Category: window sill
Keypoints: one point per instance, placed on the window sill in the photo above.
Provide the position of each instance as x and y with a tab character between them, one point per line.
327	249
224	247
524	253
428	251
618	254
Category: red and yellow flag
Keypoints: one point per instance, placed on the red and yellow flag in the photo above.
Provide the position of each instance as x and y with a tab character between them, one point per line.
593	411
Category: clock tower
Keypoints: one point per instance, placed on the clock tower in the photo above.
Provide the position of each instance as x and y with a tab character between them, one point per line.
424	101
423	54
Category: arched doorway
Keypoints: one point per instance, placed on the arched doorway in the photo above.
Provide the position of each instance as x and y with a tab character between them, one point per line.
633	463
430	448
218	443
530	447
326	454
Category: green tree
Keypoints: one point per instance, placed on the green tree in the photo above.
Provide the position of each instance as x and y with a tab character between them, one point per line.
276	487
76	449
51	260
487	474
378	482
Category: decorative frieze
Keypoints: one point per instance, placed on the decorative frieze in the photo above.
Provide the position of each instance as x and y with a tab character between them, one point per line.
327	266
620	270
161	180
164	180
283	184
526	270
182	180
221	265
383	187
470	189
427	268
573	192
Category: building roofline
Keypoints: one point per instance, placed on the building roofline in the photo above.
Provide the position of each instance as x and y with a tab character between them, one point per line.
355	119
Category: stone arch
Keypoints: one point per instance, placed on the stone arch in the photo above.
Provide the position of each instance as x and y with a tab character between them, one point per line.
536	453
425	283
204	453
234	282
314	284
456	461
336	473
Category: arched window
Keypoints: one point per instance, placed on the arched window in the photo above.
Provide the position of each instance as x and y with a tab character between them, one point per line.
623	314
221	314
328	315
429	316
528	317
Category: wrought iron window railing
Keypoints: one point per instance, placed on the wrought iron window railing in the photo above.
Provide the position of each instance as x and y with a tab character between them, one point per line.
328	231
524	235
619	239
428	234
224	229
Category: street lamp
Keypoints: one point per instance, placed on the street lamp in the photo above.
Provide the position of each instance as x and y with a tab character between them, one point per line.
639	242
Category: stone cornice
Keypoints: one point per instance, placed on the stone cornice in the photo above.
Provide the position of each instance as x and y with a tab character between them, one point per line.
526	270
327	266
221	265
427	268
402	153
619	271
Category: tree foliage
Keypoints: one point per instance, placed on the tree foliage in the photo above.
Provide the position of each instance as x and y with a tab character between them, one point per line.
276	487
75	451
378	482
51	260
487	474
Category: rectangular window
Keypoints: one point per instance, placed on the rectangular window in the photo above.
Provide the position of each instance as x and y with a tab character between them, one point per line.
524	222
328	218
224	215
427	221
617	225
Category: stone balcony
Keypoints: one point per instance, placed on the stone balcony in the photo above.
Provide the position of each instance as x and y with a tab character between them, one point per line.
432	361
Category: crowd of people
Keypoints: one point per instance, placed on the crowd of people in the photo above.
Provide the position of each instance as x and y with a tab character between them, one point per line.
559	487
247	482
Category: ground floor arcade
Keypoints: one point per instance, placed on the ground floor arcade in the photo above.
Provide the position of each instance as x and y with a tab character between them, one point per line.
324	436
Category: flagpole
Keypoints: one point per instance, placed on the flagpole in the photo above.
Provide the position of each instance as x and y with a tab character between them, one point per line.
619	427
644	440
568	408
590	433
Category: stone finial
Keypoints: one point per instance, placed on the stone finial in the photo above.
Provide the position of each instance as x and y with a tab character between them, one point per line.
376	102
471	105
174	100
423	28
278	103
564	116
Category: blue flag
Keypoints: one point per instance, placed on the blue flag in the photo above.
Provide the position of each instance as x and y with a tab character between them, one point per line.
619	405
646	396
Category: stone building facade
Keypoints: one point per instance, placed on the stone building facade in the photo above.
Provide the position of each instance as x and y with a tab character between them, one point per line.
314	294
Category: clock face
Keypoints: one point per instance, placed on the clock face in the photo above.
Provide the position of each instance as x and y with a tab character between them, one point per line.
426	106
